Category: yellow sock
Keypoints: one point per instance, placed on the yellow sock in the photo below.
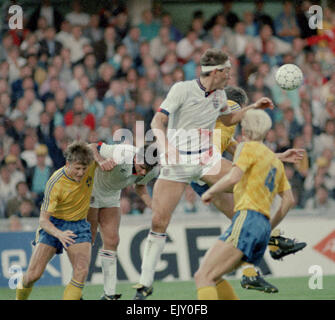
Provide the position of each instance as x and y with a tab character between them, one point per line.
73	290
249	270
225	291
22	293
207	293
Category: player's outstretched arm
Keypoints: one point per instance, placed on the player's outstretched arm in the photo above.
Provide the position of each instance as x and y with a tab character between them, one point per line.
65	237
236	116
142	191
225	184
104	164
286	204
291	155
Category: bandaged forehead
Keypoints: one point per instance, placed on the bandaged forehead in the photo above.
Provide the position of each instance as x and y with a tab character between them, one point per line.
227	64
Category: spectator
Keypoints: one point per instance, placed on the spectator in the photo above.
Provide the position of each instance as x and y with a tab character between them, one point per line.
52	16
5	46
7	182
159	45
187	45
77	130
265	35
76	43
250	24
79	109
303	16
321	201
49	44
27	209
132	42
197	25
216	37
57	144
260	17
92	104
77	16
105	48
39	174
286	25
238	40
93	31
148	27
325	139
45	128
64	34
106	73
18	129
166	21
121	24
5	139
115	96
22	193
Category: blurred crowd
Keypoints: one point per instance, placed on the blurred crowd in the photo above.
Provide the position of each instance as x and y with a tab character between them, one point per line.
87	76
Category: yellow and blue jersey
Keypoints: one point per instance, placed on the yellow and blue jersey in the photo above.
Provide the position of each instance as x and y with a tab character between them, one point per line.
67	199
222	134
264	177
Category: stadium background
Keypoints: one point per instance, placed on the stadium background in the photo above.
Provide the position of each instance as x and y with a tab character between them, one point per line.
53	92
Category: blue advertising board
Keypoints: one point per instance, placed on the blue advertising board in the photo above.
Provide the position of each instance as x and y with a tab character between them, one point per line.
15	252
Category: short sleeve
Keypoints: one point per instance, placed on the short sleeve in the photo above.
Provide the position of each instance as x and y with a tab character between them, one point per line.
120	153
174	98
243	157
51	198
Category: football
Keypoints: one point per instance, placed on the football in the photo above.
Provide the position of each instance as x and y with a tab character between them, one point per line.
289	76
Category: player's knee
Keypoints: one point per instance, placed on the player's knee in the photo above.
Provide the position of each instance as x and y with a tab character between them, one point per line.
159	223
111	242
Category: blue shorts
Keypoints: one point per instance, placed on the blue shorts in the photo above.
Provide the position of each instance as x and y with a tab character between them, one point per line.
81	228
200	190
250	232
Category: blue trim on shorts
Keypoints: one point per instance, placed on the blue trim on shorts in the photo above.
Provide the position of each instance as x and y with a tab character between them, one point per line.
81	228
199	189
250	232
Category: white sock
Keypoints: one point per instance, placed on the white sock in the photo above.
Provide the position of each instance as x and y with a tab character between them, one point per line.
108	264
153	249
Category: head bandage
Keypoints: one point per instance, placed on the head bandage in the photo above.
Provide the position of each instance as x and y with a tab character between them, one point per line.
227	64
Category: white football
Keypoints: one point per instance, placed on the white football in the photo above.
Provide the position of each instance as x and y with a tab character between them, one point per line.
289	76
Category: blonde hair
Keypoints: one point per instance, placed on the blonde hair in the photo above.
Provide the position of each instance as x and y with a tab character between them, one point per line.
256	124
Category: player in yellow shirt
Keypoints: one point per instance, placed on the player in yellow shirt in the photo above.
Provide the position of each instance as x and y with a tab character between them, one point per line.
224	140
256	176
63	221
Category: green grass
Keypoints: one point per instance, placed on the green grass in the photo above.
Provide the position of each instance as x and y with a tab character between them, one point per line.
289	289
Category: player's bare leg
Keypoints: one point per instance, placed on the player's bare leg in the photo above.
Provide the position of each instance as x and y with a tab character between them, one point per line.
222	258
92	218
109	223
166	196
79	255
42	254
224	202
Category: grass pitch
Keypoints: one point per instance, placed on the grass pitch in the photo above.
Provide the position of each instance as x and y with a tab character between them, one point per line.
295	288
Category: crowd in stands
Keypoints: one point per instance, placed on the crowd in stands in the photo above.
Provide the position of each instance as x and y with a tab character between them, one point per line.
86	76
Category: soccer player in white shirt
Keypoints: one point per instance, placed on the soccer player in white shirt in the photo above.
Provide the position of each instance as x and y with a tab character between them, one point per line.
133	166
183	128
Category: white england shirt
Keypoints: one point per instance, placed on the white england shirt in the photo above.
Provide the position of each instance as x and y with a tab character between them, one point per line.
122	174
192	112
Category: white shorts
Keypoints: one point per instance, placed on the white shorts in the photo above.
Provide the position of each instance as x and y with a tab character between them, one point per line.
101	199
191	167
